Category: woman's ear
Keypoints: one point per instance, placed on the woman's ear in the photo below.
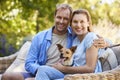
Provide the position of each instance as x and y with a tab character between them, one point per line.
88	26
88	23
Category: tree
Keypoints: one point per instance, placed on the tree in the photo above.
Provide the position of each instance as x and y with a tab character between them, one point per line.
20	18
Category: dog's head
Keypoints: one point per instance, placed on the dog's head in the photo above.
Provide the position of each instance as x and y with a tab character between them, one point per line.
66	54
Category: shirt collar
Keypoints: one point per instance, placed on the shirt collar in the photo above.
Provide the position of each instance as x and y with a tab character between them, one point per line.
49	33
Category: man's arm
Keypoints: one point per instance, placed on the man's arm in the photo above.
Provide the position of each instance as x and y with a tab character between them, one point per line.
101	42
30	63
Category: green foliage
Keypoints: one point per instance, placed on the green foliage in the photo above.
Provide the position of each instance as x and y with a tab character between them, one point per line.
20	18
98	9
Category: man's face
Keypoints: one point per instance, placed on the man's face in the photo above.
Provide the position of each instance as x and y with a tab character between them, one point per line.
62	19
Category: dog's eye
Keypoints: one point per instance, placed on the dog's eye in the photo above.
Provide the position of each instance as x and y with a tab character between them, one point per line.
67	52
60	50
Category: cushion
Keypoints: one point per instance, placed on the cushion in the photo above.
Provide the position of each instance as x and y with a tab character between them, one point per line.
19	62
108	60
116	50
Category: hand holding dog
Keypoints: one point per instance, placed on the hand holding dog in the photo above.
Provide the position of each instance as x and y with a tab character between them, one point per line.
59	67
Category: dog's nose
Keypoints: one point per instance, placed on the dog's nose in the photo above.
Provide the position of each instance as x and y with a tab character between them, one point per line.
61	55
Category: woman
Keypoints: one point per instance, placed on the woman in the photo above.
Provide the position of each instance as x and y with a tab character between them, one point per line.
86	55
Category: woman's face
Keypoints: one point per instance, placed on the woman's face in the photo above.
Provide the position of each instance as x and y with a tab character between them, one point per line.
80	24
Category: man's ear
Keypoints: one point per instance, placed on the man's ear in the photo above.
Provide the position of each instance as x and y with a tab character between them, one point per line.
59	46
73	48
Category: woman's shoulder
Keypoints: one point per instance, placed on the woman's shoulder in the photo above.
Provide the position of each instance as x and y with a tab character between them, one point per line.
91	35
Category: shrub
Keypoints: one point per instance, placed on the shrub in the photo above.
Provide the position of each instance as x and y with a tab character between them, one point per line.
5	47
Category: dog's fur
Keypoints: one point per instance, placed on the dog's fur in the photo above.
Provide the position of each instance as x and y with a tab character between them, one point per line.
66	55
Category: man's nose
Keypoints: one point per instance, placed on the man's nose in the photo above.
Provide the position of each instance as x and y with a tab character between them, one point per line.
61	20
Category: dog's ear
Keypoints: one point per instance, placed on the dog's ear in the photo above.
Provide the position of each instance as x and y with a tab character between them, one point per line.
73	48
59	46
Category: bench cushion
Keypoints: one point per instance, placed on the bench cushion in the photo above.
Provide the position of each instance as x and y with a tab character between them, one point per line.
108	60
19	62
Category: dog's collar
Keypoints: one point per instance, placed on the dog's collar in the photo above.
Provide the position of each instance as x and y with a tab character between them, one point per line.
69	65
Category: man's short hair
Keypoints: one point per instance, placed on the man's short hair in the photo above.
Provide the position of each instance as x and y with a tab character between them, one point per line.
63	6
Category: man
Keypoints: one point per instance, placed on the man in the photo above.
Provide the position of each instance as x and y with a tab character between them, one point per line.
43	50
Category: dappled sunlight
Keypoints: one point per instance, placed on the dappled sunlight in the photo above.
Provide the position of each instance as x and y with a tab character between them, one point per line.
18	19
108	30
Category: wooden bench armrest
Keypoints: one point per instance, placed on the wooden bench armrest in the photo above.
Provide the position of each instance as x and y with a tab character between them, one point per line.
6	61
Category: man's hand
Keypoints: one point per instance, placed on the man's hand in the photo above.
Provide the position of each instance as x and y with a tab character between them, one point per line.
100	43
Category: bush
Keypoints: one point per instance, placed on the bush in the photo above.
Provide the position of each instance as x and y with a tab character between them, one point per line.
5	47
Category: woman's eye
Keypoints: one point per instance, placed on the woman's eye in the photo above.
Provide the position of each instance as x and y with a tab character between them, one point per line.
75	21
82	21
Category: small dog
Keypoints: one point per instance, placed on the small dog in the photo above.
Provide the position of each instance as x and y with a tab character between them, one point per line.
66	55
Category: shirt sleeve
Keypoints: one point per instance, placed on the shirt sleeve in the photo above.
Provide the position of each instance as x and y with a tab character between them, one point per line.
90	37
30	64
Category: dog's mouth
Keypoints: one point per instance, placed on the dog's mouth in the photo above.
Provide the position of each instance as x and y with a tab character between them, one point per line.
63	58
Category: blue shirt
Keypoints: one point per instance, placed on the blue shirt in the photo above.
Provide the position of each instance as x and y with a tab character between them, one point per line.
37	54
80	53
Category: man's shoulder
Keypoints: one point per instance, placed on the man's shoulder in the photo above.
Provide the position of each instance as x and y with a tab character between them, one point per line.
41	33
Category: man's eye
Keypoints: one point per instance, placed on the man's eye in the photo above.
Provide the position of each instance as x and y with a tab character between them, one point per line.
58	17
66	18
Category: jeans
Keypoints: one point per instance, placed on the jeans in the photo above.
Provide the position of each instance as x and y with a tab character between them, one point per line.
48	73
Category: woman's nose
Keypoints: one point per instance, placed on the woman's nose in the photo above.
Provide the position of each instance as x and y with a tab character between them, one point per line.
79	24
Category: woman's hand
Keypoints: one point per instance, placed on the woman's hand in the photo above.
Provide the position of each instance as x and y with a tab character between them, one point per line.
100	43
59	67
